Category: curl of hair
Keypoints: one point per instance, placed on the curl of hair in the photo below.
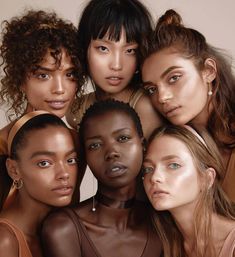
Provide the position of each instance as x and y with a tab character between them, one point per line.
170	32
25	42
212	199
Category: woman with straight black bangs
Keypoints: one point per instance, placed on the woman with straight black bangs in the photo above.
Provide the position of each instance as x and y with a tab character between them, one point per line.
114	39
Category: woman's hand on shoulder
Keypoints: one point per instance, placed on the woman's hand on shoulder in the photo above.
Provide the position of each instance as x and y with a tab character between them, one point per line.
8	243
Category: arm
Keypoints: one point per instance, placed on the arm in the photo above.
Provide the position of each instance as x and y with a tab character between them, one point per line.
59	236
150	118
8	243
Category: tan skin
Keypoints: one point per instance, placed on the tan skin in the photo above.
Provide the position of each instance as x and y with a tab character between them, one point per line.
49	88
44	171
112	66
106	149
178	90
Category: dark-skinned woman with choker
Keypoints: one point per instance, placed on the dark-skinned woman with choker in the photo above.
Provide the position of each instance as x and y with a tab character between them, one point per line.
112	223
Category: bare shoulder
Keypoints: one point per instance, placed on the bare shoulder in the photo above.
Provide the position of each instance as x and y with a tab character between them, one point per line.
150	118
8	242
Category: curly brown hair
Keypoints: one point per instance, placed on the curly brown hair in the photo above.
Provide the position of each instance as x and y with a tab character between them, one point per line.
25	42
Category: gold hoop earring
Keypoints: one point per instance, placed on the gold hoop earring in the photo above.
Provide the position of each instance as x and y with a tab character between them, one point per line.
18	184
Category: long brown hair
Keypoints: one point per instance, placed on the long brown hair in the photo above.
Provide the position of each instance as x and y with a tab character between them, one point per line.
170	32
212	199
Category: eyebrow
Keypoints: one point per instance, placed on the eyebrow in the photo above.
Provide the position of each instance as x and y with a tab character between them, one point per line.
165	158
99	136
49	153
168	70
107	41
50	70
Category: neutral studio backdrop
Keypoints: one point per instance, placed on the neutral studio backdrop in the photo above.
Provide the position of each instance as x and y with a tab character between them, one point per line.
214	18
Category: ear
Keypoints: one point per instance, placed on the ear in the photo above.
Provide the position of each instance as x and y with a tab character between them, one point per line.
13	169
211	174
210	70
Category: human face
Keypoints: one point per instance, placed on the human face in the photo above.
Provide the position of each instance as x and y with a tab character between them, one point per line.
112	64
48	166
113	149
51	88
171	179
176	88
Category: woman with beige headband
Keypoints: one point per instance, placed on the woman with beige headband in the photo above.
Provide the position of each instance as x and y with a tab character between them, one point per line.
41	67
42	166
182	174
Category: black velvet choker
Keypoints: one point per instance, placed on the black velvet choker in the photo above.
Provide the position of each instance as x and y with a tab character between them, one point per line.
105	200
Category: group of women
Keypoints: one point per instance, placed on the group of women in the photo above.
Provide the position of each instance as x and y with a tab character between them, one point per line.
161	116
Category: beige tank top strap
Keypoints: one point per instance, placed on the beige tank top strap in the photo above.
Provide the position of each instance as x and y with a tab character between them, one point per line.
24	250
229	245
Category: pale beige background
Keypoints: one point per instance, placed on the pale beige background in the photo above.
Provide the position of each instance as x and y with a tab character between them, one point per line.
214	18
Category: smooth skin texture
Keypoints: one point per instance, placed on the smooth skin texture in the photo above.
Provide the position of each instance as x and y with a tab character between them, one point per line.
114	153
176	88
172	182
48	168
112	66
51	88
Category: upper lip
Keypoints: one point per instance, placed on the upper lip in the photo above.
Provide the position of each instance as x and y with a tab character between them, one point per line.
57	100
168	109
114	76
115	165
62	187
157	191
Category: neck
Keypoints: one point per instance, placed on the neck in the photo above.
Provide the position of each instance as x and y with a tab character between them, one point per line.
114	203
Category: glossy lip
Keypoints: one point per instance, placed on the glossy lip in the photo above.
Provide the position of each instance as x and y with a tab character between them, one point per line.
171	111
56	104
114	80
115	170
158	193
63	190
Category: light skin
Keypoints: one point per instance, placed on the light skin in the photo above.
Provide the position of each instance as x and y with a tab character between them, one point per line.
47	165
178	90
112	64
169	174
51	88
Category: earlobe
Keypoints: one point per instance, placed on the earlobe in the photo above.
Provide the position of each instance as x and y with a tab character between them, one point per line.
211	174
12	169
210	70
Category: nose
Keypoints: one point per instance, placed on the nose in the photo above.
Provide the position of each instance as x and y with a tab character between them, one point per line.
116	61
164	95
62	172
156	177
111	153
58	86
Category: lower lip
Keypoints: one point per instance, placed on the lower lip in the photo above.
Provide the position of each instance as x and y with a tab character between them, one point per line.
159	195
114	82
56	105
64	191
114	174
172	113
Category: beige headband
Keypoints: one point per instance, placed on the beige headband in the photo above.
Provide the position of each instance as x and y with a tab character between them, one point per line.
196	134
19	123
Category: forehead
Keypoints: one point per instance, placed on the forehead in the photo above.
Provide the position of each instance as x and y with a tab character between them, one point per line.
48	138
109	121
168	145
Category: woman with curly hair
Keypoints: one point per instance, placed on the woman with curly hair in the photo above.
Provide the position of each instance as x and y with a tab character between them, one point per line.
42	70
191	82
